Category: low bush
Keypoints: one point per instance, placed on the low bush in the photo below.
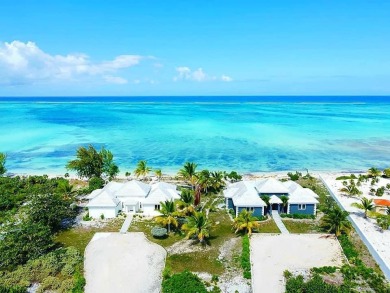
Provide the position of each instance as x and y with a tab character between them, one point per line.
346	177
159	232
298	216
348	248
13	289
324	270
314	285
262	218
87	217
183	282
294	176
245	258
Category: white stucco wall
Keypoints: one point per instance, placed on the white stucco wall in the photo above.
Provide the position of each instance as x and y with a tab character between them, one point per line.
108	212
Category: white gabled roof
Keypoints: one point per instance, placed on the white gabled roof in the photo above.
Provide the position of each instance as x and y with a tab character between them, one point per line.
93	194
133	188
112	187
103	199
270	185
238	188
249	198
291	185
310	192
158	194
164	185
274	199
300	196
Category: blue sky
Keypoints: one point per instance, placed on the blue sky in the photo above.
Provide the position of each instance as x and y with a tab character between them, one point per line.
194	47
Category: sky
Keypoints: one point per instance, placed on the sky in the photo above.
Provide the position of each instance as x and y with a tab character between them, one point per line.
194	47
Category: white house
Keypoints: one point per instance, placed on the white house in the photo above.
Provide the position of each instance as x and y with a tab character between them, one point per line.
247	195
132	196
104	204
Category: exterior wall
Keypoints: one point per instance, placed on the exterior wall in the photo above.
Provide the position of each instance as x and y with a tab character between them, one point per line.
230	203
108	212
310	209
148	208
257	212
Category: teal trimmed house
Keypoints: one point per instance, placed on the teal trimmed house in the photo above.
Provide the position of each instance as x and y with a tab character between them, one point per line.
247	195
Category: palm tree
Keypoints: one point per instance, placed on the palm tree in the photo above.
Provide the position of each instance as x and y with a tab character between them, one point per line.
186	202
204	180
142	169
198	225
351	190
266	199
188	172
158	174
245	222
168	215
374	172
217	180
365	204
284	199
335	221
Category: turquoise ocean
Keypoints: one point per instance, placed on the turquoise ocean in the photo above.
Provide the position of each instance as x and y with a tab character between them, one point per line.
247	134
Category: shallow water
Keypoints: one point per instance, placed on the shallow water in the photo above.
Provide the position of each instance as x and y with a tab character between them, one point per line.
248	137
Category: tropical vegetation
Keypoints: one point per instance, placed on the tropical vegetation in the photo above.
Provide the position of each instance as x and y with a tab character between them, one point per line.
245	222
365	204
92	163
142	169
168	215
198	227
335	221
3	159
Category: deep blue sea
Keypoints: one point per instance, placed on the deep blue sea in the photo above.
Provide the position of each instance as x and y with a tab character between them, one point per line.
247	134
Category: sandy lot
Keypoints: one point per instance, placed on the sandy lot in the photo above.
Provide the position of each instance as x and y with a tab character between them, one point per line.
380	240
272	254
118	263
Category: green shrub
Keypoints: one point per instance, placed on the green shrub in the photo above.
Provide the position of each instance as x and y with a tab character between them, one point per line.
262	218
79	283
159	232
294	176
215	278
314	285
298	216
102	216
13	289
48	284
245	258
95	183
167	272
87	217
348	248
186	281
346	177
324	270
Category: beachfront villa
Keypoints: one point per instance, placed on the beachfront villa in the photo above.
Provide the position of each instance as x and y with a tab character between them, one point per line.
131	196
247	195
381	205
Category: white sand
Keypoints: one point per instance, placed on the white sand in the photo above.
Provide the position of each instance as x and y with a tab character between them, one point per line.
378	239
119	263
271	255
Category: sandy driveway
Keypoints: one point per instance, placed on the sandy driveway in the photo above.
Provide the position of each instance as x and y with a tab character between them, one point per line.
119	263
271	255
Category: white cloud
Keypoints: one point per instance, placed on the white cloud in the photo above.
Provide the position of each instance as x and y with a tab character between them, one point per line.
115	79
226	78
25	63
185	73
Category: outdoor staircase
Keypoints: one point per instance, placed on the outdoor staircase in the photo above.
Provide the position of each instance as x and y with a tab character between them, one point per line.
279	223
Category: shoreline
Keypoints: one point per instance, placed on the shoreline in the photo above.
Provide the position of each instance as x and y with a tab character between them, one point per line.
245	175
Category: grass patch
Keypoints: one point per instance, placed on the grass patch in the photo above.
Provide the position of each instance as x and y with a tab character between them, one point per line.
79	237
206	260
268	226
144	225
294	226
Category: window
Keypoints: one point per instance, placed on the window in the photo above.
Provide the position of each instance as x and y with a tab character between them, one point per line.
140	205
250	209
301	207
157	207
